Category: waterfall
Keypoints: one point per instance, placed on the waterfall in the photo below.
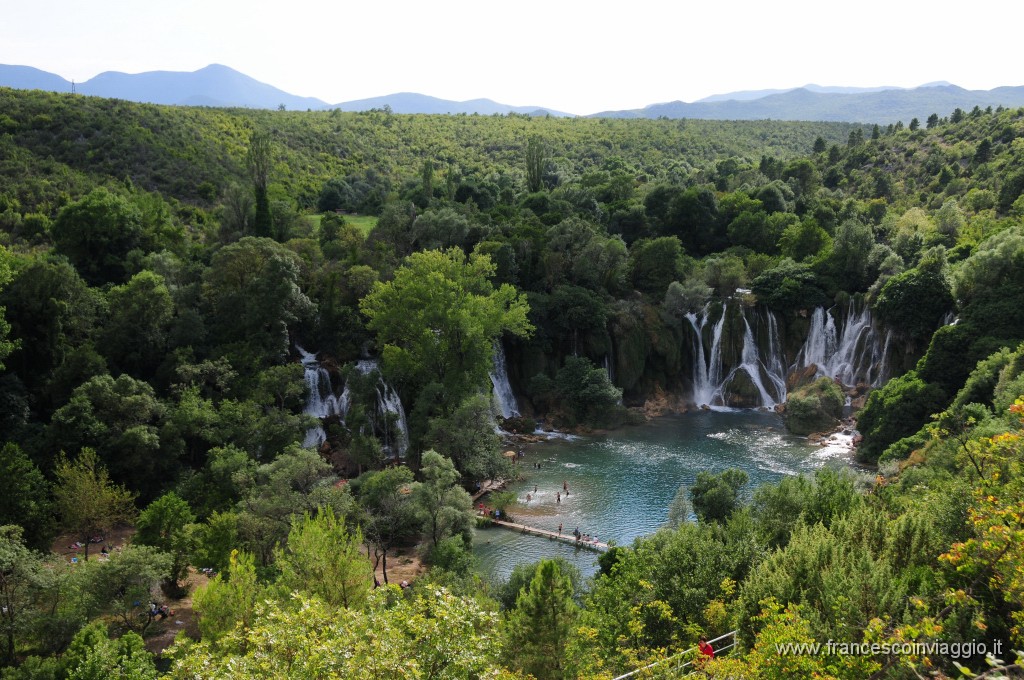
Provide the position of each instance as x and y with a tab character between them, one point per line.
388	403
710	388
706	375
322	402
857	353
504	397
755	368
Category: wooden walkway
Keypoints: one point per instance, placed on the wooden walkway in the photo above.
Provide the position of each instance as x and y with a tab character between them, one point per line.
564	537
487	487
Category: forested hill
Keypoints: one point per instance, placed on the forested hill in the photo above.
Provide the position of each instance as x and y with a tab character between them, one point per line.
161	267
194	153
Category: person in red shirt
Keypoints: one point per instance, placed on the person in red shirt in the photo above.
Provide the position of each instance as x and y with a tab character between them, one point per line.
707	652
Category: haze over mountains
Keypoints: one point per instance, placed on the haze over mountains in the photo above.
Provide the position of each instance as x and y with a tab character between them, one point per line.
221	86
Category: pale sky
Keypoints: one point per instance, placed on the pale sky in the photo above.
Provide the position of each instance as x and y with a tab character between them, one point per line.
578	57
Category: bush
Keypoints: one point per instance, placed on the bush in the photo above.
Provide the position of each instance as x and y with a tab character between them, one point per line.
815	407
895	411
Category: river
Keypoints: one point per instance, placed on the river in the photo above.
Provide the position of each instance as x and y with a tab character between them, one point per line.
621	483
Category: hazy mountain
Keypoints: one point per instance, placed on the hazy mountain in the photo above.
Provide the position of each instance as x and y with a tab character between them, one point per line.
29	78
217	85
214	85
412	102
884	106
747	95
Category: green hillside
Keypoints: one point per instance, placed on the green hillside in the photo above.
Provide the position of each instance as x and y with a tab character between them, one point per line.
160	268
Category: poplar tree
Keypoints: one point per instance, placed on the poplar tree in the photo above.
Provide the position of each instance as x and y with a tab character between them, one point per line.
260	159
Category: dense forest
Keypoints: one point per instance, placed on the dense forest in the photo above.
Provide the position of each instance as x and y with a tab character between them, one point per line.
161	267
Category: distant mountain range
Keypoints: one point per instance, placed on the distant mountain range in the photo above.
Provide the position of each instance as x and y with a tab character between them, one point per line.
870	106
217	85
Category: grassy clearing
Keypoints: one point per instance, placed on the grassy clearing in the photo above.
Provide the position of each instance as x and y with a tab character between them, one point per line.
362	222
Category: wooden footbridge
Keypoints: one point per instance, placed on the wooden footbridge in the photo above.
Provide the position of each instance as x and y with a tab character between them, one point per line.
553	535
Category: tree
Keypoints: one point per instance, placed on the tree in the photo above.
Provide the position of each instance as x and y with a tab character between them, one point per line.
323	558
228	602
252	292
135	335
93	655
124	584
535	164
654	264
803	240
96	233
25	496
437	320
538	628
467	437
432	634
444	508
119	419
260	159
915	300
20	570
165	525
88	503
716	497
6	346
385	496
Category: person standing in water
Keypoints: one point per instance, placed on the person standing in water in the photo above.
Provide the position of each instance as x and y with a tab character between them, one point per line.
558	498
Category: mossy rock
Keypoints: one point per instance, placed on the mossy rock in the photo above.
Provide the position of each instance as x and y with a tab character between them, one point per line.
814	408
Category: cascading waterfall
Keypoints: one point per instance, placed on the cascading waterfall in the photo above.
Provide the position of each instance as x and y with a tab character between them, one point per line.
388	403
858	353
504	397
767	374
324	403
756	369
706	375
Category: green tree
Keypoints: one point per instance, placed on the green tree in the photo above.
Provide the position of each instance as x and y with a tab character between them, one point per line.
915	301
444	508
119	419
134	337
93	655
25	496
654	264
323	558
6	346
467	437
716	497
538	628
438	318
535	164
386	496
228	602
432	634
88	503
253	295
96	233
260	161
164	525
123	585
20	580
803	240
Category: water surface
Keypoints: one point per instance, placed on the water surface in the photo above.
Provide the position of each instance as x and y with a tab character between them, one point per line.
621	484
